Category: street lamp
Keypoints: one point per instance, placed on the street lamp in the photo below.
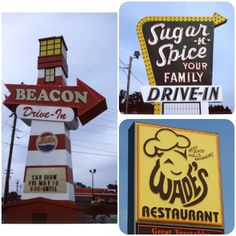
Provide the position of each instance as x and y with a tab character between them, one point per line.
136	55
17	186
92	171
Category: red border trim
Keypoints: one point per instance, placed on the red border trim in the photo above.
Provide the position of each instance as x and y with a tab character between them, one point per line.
53	61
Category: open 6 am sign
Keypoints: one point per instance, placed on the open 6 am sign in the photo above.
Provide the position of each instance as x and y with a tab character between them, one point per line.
177	176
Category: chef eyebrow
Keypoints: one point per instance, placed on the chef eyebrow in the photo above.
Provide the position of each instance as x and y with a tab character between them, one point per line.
184	154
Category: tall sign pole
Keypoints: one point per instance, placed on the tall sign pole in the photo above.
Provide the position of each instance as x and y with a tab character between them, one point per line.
51	108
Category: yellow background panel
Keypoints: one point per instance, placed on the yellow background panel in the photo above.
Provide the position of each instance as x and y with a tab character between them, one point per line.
207	145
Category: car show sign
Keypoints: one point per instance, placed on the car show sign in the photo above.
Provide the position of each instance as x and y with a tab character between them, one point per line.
45	180
177	176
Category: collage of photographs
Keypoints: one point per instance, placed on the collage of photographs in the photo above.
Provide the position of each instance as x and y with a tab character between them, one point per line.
118	121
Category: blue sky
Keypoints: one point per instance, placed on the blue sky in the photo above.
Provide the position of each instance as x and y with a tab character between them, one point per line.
224	128
223	59
92	55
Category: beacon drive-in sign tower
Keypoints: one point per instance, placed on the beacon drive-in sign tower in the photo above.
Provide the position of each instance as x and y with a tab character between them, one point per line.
178	55
51	108
177	179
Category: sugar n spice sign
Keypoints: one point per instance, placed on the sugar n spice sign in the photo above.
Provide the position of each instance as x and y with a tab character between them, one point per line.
178	50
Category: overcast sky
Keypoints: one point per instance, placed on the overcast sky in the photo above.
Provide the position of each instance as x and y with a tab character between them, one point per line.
223	58
92	56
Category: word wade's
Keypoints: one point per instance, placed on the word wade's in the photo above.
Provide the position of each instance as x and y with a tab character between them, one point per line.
190	190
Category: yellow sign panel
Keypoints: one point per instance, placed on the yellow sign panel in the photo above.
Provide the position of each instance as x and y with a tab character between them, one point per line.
177	174
45	180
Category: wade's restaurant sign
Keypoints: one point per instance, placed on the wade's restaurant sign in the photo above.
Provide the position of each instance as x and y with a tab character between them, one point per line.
177	176
179	51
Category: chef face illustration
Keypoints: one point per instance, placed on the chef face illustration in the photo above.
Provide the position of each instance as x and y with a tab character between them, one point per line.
174	165
171	149
172	171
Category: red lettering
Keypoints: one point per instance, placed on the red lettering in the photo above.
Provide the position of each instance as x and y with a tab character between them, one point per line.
27	111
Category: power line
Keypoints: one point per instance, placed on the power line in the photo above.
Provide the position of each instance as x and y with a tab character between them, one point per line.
92	148
104	126
110	114
22	136
17	144
90	141
5	123
4	93
111	111
135	76
92	131
106	120
3	82
19	130
122	62
95	154
125	73
87	153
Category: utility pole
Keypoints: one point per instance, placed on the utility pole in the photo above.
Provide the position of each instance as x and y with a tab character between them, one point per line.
136	55
6	191
11	172
93	171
